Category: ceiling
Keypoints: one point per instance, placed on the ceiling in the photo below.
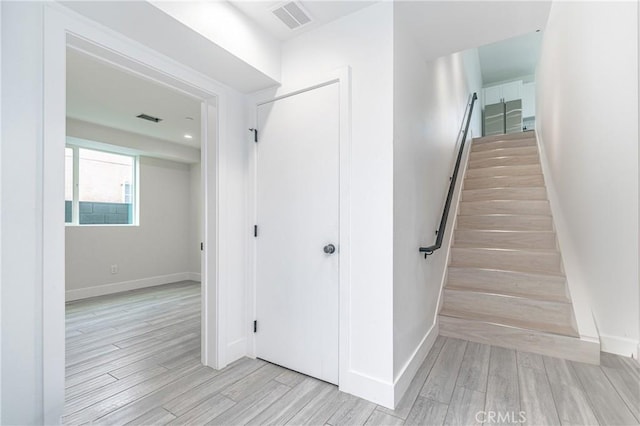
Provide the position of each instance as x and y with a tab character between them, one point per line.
102	94
511	58
445	27
321	12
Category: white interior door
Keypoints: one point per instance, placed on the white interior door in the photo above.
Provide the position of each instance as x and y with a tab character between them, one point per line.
297	215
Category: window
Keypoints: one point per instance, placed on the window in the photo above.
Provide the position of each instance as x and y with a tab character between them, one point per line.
99	188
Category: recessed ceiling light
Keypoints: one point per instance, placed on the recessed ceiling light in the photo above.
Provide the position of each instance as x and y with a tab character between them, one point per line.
188	136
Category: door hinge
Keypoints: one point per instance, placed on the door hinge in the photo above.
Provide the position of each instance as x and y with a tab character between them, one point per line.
255	326
255	230
255	134
201	246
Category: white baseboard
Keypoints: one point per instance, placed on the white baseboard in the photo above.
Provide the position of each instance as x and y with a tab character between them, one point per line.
619	345
236	350
101	290
408	372
367	387
195	276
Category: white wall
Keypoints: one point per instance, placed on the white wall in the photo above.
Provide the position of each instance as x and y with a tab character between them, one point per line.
195	220
155	252
429	104
587	118
0	213
131	143
234	229
230	29
363	41
22	345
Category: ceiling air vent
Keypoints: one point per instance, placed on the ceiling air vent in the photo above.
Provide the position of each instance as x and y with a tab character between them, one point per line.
149	118
292	14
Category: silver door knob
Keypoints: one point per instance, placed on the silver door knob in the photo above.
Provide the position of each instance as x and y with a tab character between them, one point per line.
329	249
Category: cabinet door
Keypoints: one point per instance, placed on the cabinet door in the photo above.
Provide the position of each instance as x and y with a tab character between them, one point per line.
494	119
492	95
513	116
512	91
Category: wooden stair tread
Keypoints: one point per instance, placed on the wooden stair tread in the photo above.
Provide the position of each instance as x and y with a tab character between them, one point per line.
523	312
525	325
515	207
506	137
504	151
514	143
510	193
545	262
486	182
514	170
513	283
542	343
490	238
506	222
504	161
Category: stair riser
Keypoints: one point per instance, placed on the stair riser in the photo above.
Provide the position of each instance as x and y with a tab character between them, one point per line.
538	262
542	287
490	194
526	170
551	317
488	146
553	345
507	137
502	152
505	239
535	181
472	208
506	223
504	161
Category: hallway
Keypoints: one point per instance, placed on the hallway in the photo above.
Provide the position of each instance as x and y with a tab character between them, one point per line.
133	358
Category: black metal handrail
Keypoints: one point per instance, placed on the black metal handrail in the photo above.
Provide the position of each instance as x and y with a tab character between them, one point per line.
447	205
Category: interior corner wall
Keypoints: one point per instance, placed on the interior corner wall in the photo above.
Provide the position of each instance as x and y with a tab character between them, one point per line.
21	192
155	252
471	61
429	104
587	119
364	42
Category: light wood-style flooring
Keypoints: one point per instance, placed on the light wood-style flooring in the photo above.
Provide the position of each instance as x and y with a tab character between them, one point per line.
134	358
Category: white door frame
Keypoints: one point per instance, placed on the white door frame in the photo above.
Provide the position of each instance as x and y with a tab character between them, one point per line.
63	27
342	77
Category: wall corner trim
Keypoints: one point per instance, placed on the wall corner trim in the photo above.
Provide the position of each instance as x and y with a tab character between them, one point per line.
194	276
408	372
618	345
366	387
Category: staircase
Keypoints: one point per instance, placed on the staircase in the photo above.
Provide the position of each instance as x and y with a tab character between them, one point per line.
505	281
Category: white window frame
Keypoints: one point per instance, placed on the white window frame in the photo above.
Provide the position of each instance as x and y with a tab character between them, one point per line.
75	210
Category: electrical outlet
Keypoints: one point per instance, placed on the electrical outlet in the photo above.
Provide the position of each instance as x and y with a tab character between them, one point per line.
114	269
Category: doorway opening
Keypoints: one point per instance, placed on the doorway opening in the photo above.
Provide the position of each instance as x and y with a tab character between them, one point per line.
134	230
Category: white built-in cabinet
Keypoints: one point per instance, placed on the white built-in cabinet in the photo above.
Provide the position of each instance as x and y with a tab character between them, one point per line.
503	92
